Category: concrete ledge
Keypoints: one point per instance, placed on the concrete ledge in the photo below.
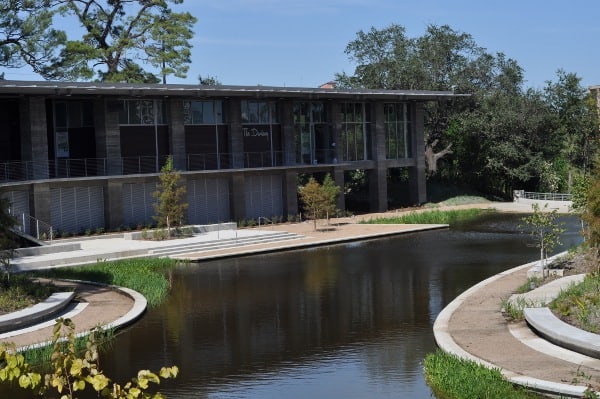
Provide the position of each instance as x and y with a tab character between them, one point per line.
36	313
562	334
49	249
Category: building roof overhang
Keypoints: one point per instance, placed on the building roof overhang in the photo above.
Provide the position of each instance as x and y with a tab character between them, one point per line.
50	88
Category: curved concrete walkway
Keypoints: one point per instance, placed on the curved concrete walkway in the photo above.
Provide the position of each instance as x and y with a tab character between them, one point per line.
95	306
473	327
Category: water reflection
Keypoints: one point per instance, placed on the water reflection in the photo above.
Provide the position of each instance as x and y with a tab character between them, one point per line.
347	321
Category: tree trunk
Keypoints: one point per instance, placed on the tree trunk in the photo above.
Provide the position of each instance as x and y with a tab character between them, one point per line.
432	158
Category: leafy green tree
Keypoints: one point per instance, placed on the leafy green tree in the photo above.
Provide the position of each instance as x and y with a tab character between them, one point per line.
7	238
170	207
71	374
576	121
331	191
26	33
209	80
319	200
544	229
120	33
440	59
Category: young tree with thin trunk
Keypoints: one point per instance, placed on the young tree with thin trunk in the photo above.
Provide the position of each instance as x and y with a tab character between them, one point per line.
545	231
170	207
319	200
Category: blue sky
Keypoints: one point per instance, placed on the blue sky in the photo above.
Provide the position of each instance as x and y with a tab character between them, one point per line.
302	42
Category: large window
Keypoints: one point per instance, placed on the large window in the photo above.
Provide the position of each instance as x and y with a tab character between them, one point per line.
314	141
355	145
142	112
73	114
203	112
398	128
259	112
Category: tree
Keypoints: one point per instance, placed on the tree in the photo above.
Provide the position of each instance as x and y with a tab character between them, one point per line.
577	121
7	241
441	59
319	200
331	192
26	35
71	374
118	34
170	207
209	80
545	231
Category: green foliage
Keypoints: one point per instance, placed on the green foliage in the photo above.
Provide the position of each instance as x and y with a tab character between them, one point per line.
170	208
119	34
26	33
456	378
592	213
581	303
71	375
145	275
7	238
544	229
430	217
319	200
20	292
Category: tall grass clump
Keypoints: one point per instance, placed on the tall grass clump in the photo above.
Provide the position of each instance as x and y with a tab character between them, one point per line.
20	292
579	304
430	217
453	378
144	275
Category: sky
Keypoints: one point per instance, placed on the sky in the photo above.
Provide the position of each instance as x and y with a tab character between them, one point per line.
301	43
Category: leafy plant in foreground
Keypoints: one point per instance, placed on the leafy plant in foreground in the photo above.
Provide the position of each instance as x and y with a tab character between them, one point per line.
72	374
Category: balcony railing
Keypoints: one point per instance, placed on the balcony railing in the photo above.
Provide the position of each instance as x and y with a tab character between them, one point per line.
13	171
544	196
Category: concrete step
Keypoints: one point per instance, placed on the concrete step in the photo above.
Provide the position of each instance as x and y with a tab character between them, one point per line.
223	244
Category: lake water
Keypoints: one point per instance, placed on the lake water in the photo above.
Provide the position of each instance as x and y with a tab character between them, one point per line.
345	321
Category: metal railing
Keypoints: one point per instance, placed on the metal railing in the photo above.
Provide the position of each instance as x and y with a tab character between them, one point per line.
12	171
36	228
544	196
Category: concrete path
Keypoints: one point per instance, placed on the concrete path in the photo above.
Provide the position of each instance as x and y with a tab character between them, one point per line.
473	327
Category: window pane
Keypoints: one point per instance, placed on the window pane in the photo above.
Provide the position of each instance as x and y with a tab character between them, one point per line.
60	113
208	112
74	110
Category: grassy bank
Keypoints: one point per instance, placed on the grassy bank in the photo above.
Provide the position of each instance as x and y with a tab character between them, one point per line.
454	378
144	275
430	217
19	292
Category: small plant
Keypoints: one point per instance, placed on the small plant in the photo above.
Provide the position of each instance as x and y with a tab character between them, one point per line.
242	223
145	234
160	234
252	222
71	374
513	310
531	284
100	230
87	232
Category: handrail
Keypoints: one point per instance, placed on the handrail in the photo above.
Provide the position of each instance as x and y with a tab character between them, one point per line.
546	196
41	230
265	219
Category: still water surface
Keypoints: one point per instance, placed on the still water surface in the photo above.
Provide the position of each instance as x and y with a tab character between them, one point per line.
345	321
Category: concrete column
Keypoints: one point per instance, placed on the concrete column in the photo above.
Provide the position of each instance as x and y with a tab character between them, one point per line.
235	133
287	132
113	204
377	132
177	133
336	129
417	174
34	136
290	194
41	202
338	177
238	196
112	138
100	127
378	188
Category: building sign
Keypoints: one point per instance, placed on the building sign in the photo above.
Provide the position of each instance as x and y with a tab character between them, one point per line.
254	132
62	144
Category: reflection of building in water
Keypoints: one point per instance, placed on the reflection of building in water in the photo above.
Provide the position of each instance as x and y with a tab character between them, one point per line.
86	155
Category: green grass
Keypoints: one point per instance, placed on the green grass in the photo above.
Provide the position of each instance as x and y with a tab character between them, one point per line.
580	304
20	292
144	275
40	357
430	217
453	378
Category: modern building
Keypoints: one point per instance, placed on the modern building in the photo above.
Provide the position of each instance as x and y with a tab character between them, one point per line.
84	156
